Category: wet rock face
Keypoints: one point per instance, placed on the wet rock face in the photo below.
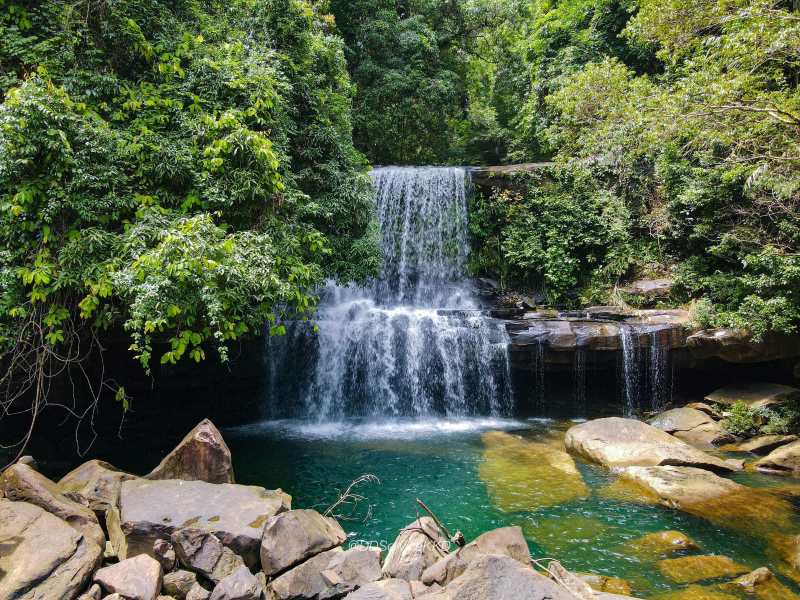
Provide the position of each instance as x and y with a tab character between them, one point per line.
419	545
151	510
48	559
137	578
293	536
20	482
202	455
617	442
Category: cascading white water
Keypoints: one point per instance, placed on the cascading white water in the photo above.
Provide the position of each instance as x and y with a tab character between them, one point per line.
630	367
415	342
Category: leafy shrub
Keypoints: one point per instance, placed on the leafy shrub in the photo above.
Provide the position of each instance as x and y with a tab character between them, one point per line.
741	420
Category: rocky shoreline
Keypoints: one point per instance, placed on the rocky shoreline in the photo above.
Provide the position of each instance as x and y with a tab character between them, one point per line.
188	531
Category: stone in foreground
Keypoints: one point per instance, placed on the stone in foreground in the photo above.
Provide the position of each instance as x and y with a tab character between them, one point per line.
137	578
784	460
42	557
419	545
507	541
690	569
202	552
500	578
151	510
94	484
178	583
329	575
202	455
239	585
22	483
617	442
291	537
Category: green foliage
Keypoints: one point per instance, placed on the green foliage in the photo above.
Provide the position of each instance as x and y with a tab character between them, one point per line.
741	420
183	170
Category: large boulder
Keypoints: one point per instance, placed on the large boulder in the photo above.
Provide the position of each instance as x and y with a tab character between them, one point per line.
501	578
291	537
507	541
755	395
151	510
201	456
693	426
419	545
20	482
617	442
94	484
527	475
41	556
239	585
761	444
331	574
784	460
137	578
202	552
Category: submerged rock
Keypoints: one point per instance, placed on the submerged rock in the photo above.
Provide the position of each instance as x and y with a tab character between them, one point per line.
604	583
202	455
697	592
761	584
755	395
784	460
617	442
94	484
418	546
661	544
523	475
331	574
151	510
137	578
291	537
691	569
41	556
22	483
507	541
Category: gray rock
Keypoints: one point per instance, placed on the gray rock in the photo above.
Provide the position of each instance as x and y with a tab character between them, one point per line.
115	597
506	541
784	460
201	455
203	553
500	578
419	545
93	593
387	589
329	575
46	557
291	537
680	419
137	578
151	510
198	592
23	484
94	484
178	583
617	442
239	585
165	554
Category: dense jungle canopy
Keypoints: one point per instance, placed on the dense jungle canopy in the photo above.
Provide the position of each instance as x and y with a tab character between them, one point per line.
189	171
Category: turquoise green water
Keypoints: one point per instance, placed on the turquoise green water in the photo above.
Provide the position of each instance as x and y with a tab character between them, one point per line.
440	462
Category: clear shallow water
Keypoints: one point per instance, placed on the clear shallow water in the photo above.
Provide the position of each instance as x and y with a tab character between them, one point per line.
448	465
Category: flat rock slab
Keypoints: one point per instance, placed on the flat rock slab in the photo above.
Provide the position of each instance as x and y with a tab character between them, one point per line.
41	556
762	444
690	569
784	460
618	442
661	544
94	484
137	578
755	395
151	510
680	419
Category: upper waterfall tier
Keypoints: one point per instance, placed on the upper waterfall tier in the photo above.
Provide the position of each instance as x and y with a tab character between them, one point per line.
422	213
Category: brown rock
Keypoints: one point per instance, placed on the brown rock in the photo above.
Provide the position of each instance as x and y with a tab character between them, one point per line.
680	419
94	484
201	455
179	583
93	593
198	592
239	585
609	585
296	535
202	552
22	483
784	460
617	442
661	544
690	569
706	408
137	578
761	444
165	554
419	545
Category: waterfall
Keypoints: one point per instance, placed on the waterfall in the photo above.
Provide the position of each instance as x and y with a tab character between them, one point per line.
413	343
579	382
629	340
660	371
